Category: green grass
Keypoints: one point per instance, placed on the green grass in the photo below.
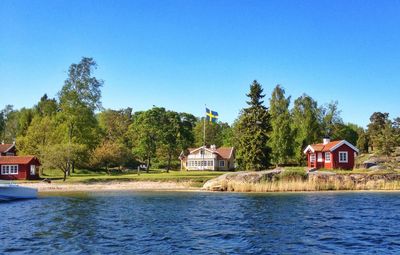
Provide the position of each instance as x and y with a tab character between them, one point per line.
198	178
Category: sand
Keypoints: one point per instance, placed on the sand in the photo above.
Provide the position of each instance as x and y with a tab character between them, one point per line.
111	186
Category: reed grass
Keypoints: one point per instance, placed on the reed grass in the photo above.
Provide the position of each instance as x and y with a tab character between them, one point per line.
309	185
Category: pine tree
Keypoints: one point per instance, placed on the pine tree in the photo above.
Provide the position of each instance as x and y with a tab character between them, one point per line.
252	132
281	136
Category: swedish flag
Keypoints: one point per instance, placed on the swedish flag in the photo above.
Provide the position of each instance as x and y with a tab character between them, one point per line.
211	116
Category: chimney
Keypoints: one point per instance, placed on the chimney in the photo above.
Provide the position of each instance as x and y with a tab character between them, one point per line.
326	140
213	147
2	142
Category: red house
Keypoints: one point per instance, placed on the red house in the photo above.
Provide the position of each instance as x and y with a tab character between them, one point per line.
19	168
331	155
7	149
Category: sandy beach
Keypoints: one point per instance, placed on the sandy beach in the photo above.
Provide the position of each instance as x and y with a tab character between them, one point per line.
111	186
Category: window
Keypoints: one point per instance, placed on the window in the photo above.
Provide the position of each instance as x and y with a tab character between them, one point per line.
210	163
33	169
222	163
343	157
312	158
320	157
327	157
9	169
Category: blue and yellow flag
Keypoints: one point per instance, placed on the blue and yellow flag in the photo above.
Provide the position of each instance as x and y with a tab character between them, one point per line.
211	116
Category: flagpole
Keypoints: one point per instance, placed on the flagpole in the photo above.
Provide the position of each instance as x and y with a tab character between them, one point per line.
204	138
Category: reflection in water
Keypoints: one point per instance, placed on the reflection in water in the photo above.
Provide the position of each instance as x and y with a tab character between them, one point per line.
202	223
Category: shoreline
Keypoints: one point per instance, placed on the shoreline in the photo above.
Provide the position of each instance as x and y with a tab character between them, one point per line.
111	186
163	186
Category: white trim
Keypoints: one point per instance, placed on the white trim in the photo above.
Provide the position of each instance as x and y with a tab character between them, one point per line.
312	157
347	157
9	148
6	169
309	147
319	157
230	154
330	157
344	142
32	167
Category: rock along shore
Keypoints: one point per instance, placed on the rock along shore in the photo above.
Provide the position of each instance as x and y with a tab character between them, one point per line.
275	180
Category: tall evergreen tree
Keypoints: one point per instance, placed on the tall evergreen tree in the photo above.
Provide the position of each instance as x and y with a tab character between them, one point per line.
252	132
281	140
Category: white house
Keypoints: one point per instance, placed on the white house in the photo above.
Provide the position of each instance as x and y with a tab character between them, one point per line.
212	158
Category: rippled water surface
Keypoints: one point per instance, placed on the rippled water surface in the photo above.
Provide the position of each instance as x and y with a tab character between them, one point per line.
202	223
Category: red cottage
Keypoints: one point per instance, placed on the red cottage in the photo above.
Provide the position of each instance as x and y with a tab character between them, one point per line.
19	168
7	149
331	155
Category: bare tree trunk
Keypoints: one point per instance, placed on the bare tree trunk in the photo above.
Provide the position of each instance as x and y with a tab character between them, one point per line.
169	162
65	175
148	165
73	166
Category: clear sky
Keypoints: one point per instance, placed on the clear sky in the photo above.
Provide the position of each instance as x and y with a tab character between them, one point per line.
182	54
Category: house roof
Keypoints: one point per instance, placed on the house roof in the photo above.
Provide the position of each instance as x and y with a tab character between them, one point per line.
5	147
331	146
223	152
17	159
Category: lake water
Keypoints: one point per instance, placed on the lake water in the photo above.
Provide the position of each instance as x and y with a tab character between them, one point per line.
202	223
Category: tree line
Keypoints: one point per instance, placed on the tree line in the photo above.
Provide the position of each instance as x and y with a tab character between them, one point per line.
74	130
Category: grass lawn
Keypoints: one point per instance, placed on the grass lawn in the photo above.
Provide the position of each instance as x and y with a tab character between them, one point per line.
86	176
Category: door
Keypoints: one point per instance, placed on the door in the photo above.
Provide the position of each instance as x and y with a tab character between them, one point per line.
320	160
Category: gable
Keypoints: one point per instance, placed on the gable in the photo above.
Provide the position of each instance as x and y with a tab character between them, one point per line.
329	147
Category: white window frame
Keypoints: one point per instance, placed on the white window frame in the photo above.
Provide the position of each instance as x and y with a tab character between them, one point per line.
319	157
328	157
346	159
9	169
222	163
312	157
32	167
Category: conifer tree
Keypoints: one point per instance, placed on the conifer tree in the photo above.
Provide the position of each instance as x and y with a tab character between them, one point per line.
252	132
281	141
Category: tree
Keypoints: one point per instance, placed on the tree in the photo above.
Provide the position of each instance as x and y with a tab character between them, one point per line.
40	134
252	132
348	132
378	120
79	98
171	127
186	134
281	140
330	116
46	106
109	153
145	133
10	123
386	140
362	141
114	124
59	156
214	133
305	125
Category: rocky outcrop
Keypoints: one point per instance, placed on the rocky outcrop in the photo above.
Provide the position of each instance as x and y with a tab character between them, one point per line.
219	183
271	180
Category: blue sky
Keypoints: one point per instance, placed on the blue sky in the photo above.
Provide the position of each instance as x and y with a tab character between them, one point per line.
183	54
